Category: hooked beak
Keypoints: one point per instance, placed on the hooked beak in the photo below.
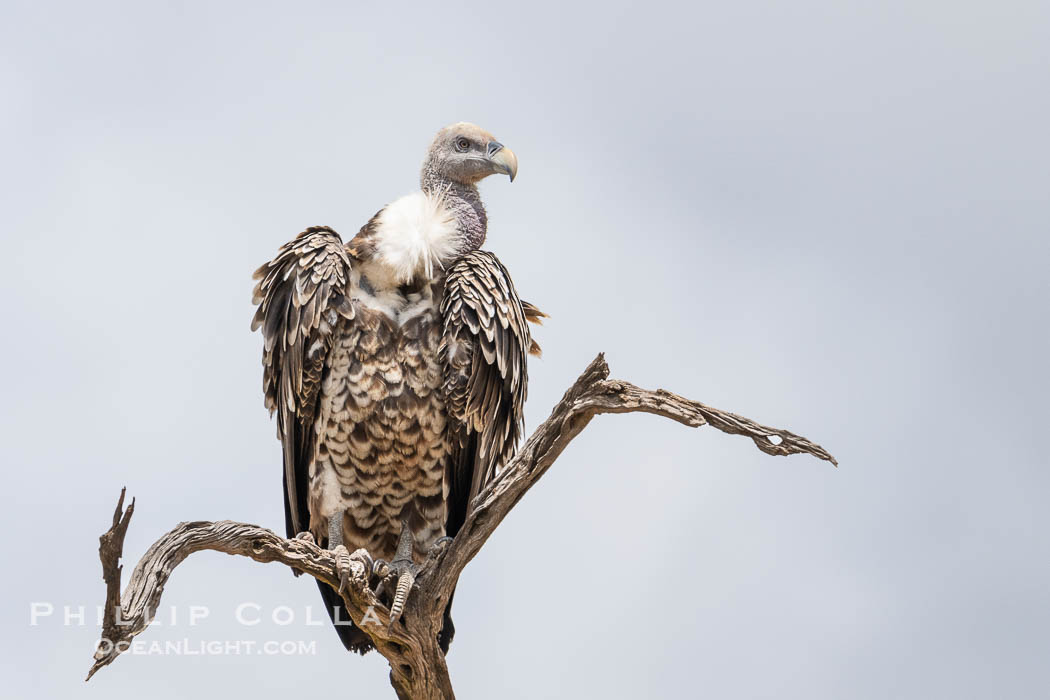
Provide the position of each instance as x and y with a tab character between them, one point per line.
503	159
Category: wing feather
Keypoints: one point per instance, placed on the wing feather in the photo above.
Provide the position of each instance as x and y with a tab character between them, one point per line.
303	298
301	295
485	345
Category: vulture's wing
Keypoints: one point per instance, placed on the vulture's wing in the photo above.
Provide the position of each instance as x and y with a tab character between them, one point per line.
485	343
302	294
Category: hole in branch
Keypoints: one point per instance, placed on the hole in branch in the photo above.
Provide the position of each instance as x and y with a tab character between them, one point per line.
775	439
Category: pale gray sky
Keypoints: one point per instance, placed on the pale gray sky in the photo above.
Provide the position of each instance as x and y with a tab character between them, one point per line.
829	216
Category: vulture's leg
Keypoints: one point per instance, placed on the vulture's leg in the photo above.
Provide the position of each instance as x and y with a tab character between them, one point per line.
335	530
402	571
343	557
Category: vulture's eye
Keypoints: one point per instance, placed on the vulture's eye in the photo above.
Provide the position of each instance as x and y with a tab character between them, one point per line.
462	145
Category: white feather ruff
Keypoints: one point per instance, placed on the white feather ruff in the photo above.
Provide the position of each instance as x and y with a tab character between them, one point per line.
415	234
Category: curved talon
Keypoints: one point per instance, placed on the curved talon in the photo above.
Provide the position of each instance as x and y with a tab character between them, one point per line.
385	583
342	566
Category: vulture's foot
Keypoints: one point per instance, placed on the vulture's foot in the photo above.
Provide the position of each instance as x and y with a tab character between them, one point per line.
352	568
400	573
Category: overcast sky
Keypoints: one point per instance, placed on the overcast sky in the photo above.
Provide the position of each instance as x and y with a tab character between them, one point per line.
829	216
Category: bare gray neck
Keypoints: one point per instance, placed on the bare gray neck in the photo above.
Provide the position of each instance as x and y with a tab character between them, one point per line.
465	203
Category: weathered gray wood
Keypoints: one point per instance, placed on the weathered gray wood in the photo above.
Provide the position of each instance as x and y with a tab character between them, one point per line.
417	666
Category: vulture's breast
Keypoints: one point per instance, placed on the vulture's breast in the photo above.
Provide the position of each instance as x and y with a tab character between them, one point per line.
381	448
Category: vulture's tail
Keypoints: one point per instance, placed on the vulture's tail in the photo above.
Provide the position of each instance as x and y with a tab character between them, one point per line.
352	637
448	630
357	641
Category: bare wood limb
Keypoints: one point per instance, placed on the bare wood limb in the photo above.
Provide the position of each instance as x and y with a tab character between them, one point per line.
126	617
417	666
593	394
110	549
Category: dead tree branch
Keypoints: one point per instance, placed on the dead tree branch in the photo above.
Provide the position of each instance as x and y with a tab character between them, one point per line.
417	666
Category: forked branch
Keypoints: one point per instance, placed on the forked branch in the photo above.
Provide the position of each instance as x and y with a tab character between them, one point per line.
417	666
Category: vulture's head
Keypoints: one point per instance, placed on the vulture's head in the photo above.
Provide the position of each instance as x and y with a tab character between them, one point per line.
466	153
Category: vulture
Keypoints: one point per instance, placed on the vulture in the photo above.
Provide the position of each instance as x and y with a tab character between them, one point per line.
396	365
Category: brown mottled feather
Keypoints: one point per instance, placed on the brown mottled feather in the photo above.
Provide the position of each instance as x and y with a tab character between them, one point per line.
301	294
485	343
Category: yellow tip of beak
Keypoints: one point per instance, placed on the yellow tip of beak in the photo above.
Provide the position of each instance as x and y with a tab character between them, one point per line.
504	161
